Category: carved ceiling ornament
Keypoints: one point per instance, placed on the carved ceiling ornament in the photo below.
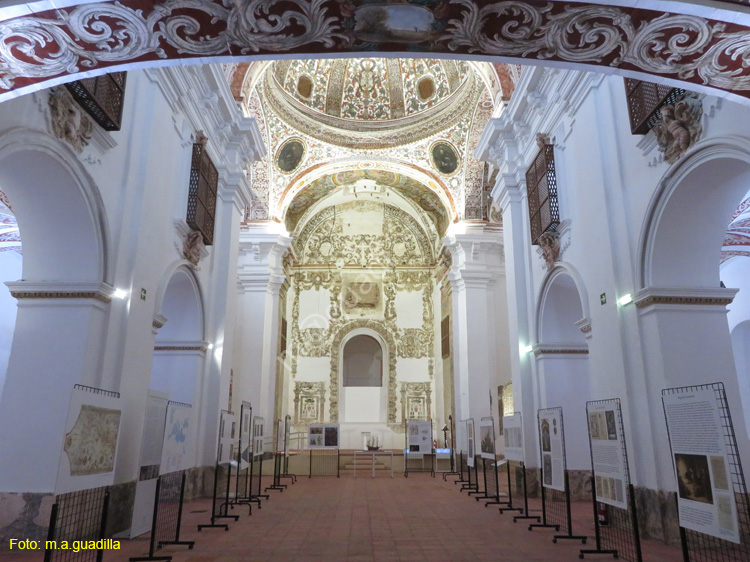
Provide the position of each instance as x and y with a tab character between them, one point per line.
679	126
61	42
69	122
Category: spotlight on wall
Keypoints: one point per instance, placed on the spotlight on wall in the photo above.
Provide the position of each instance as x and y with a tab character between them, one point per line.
120	293
625	299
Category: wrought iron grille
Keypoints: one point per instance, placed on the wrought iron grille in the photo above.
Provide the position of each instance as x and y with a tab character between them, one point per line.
541	186
102	98
204	181
644	101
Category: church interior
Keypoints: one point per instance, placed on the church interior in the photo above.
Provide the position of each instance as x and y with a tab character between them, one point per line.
504	244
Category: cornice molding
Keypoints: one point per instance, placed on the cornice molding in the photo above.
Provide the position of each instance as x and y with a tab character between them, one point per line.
679	296
560	349
182	346
30	290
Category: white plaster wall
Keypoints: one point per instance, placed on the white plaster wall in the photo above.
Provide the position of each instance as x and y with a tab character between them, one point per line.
409	309
11	264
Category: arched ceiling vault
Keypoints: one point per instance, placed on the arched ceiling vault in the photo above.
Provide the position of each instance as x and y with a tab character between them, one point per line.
366	182
696	44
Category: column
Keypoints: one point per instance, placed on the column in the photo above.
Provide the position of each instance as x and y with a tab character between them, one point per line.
260	278
476	270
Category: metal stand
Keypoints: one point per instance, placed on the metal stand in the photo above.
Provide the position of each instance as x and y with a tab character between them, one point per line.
454	471
620	537
418	455
74	516
321	461
525	510
285	464
569	525
164	522
700	546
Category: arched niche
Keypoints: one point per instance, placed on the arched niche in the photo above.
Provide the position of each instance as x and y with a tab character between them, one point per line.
58	207
179	349
688	216
362	358
363	403
561	356
375	330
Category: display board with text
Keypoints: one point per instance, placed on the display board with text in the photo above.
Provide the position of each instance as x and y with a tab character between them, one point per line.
712	498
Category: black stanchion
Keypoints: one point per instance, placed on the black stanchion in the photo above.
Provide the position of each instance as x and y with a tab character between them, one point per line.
242	483
257	496
462	476
285	465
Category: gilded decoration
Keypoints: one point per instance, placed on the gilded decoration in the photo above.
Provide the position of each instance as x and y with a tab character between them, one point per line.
309	399
422	195
416	401
402	240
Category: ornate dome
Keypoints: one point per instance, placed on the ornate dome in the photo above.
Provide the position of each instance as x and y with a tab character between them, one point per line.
370	89
370	103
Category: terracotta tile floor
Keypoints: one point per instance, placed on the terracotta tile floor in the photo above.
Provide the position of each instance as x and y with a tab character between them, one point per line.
379	520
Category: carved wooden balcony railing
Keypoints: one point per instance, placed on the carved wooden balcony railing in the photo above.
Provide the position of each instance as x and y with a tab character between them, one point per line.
644	101
204	181
102	98
541	188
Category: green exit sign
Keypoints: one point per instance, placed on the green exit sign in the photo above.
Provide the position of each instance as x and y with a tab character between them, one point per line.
603	298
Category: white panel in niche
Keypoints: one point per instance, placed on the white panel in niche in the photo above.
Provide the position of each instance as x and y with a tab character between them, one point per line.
413	370
313	308
409	309
363	221
313	369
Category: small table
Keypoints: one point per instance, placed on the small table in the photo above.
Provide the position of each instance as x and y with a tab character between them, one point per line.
373	454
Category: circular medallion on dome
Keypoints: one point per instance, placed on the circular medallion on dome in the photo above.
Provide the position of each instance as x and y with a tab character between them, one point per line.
290	155
444	157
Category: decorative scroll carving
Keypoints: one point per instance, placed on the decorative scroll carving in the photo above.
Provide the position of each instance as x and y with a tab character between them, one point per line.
92	36
549	242
680	126
69	122
192	246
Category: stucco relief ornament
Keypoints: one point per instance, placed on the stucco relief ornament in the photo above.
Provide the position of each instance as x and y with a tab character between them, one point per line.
680	126
549	243
192	247
69	122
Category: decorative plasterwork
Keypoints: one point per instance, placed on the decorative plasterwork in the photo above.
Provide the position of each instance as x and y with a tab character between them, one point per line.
416	401
181	347
737	239
384	333
69	122
429	201
94	36
309	400
366	134
322	241
679	126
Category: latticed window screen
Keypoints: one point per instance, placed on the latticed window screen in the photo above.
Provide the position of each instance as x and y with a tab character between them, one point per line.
282	336
644	101
204	181
541	187
102	98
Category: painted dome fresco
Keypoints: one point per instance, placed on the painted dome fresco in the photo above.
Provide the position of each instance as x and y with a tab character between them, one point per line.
370	89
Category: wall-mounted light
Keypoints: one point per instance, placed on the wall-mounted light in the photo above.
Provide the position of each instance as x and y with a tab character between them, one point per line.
625	299
120	293
210	346
525	349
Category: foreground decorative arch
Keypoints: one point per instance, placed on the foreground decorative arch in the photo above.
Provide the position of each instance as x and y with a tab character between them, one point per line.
543	302
180	291
694	44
